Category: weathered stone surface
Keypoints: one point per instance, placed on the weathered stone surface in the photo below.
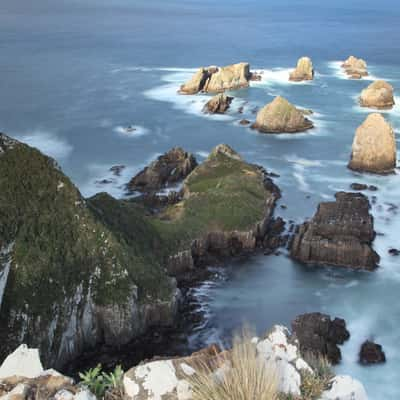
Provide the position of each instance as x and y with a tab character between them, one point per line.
371	353
374	146
218	79
355	68
280	116
344	387
22	362
320	335
339	234
198	80
218	104
168	169
304	70
378	94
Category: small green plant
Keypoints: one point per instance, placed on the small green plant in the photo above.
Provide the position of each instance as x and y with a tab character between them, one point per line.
104	385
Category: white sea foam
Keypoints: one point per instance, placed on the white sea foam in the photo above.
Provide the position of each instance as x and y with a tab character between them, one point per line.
48	143
202	154
276	76
336	66
395	111
133	131
115	185
293	158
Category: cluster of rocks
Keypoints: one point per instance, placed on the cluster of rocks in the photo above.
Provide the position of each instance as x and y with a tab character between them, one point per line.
355	68
218	79
374	146
169	169
339	234
379	95
280	116
304	70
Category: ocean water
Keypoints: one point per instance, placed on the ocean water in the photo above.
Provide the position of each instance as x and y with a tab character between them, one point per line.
74	73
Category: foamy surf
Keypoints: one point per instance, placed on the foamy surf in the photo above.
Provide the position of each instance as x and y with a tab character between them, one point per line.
131	131
277	76
339	72
48	143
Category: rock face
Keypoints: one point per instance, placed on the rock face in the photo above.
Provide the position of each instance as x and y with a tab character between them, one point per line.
280	116
218	104
374	146
378	94
355	67
371	353
339	234
218	79
304	70
67	280
168	169
344	387
320	335
276	349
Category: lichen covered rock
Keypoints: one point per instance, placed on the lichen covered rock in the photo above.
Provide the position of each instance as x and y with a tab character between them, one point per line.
339	234
379	95
219	104
374	146
304	70
280	116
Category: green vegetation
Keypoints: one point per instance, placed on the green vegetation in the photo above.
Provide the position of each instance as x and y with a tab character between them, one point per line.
104	385
222	194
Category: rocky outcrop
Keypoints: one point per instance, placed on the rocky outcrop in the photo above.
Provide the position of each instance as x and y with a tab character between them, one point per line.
197	81
304	70
68	280
319	335
218	79
378	94
339	234
218	104
355	68
169	169
374	146
371	353
280	116
344	387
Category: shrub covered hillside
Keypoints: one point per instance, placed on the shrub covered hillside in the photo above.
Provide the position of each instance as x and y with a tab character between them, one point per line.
66	280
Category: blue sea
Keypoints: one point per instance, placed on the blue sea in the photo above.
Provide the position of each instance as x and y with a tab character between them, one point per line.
74	73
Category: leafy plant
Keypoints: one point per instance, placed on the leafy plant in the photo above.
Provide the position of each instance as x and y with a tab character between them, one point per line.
102	384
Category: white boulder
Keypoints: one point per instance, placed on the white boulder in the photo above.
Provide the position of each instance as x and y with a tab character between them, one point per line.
344	387
22	362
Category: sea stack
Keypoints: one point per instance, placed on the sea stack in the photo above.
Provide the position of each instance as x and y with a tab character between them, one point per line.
304	70
339	234
355	67
280	116
374	146
218	79
219	104
378	94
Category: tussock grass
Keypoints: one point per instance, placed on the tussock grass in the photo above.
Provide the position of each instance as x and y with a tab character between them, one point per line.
235	375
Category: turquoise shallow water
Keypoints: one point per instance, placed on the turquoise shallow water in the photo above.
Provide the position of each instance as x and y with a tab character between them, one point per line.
74	73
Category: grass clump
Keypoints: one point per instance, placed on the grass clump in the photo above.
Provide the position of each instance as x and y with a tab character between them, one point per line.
239	374
314	383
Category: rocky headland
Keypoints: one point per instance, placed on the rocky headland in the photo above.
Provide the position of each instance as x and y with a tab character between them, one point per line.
304	70
280	116
374	146
355	68
339	234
